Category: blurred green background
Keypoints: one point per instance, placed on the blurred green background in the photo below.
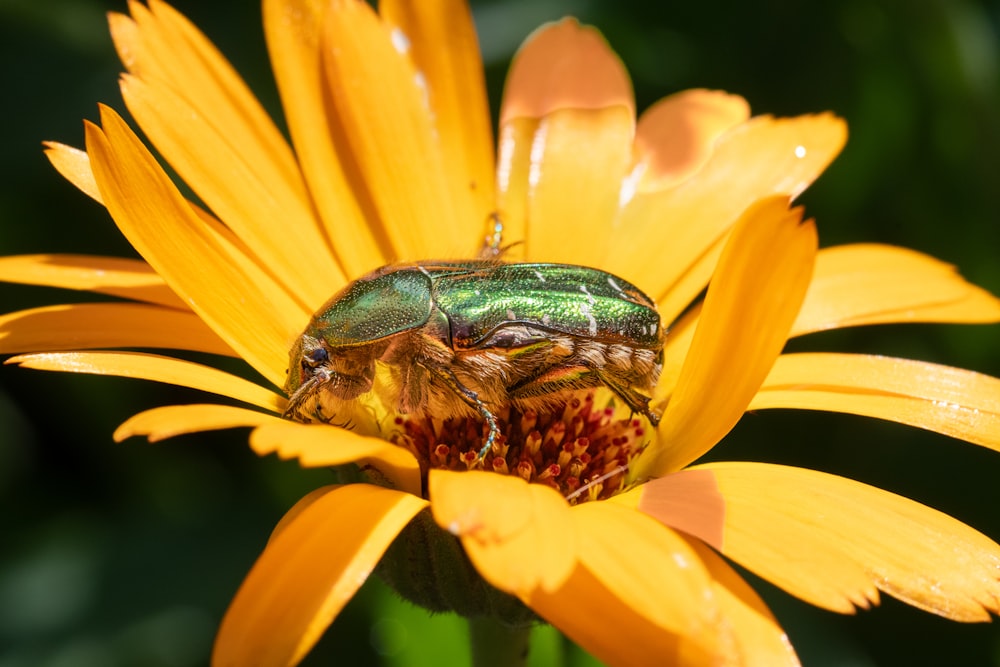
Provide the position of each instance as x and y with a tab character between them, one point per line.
119	555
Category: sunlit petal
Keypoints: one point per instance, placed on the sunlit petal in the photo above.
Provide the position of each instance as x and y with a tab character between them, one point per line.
751	303
205	121
293	29
320	446
209	158
172	420
73	165
382	107
525	542
308	572
676	136
567	79
656	573
760	640
876	284
155	368
441	40
786	524
201	262
637	591
159	44
115	276
953	401
89	325
677	226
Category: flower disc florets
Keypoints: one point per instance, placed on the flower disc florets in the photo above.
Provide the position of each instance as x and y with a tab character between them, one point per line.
579	449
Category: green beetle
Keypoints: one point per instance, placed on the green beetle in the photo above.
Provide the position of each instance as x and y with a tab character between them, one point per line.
473	336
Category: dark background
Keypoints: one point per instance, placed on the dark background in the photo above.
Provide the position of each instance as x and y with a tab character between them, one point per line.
115	555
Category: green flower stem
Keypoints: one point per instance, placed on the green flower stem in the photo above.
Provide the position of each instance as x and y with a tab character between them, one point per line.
495	644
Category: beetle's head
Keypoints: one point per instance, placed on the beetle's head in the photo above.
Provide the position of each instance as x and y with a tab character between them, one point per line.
318	371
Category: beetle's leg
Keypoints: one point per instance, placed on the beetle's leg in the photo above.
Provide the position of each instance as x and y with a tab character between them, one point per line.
301	395
634	400
579	377
471	398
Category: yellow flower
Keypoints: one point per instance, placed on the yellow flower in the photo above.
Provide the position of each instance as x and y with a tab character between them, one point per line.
393	161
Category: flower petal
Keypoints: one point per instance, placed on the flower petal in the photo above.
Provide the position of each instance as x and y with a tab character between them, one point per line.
677	226
116	276
381	106
831	541
676	136
156	368
567	78
637	591
443	45
88	325
205	121
322	445
877	284
293	29
657	574
751	303
761	641
308	572
518	535
952	401
73	165
199	261
564	65
172	420
209	158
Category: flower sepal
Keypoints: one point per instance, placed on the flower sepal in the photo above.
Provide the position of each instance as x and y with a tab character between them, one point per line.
427	566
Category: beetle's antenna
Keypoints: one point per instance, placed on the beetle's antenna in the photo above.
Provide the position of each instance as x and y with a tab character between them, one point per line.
594	482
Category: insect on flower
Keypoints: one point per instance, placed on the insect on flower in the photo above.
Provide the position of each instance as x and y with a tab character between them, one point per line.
461	337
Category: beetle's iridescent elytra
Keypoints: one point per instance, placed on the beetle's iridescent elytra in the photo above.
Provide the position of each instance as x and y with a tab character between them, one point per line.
469	337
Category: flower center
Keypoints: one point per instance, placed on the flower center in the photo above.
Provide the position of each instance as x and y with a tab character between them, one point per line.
579	449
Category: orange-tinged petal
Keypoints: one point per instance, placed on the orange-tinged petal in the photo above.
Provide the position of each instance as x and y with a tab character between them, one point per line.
675	136
760	640
441	40
952	401
788	524
564	65
153	367
322	445
877	284
567	78
688	501
88	325
519	536
115	276
200	261
751	303
379	102
172	420
308	572
293	29
677	226
656	573
73	165
276	224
